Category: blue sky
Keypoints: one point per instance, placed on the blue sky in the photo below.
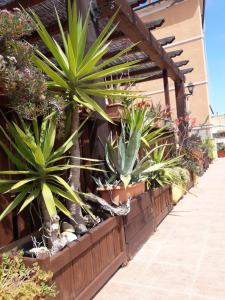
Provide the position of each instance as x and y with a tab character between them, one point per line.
215	49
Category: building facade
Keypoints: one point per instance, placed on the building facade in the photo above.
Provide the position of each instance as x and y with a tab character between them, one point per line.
184	20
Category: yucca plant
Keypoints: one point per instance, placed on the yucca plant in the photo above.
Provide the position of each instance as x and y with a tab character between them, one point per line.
39	169
80	72
149	134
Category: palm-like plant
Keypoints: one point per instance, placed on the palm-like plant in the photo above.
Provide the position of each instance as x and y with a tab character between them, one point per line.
81	72
149	134
38	168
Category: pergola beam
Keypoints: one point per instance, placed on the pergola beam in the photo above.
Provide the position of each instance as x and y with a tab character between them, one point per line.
167	40
134	29
181	63
175	53
188	70
154	24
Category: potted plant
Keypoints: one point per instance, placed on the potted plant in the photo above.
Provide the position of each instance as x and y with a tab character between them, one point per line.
127	172
38	176
221	151
80	74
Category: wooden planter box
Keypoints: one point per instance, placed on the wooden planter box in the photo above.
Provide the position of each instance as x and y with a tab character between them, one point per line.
84	266
147	212
161	202
138	224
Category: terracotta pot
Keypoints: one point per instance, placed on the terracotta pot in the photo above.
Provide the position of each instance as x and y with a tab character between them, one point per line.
119	194
159	122
221	153
114	110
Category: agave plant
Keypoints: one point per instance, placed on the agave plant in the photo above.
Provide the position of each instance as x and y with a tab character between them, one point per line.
80	72
122	155
38	172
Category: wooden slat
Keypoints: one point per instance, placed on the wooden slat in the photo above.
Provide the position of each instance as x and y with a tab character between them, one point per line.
154	24
175	53
186	71
167	40
181	63
133	28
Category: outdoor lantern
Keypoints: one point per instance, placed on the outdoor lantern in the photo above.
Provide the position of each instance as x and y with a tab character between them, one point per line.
190	87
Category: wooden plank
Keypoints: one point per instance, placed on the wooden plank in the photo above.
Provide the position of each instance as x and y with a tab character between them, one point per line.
154	24
181	63
167	40
102	278
134	29
180	99
188	70
175	53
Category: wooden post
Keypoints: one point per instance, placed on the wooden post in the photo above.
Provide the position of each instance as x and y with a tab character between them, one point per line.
166	90
181	107
180	98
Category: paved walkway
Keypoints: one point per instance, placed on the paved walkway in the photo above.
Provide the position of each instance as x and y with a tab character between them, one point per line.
185	258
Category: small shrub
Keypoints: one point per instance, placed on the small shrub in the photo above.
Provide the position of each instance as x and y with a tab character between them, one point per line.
18	282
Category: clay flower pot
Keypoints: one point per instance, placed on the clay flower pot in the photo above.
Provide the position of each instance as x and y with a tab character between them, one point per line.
119	194
159	122
114	110
221	153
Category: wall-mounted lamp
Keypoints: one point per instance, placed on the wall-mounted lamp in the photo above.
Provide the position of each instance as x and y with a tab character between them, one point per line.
190	87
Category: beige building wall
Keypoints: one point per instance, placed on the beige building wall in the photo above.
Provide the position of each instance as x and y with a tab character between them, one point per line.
184	21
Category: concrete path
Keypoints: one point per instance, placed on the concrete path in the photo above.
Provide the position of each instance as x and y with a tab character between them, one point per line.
185	258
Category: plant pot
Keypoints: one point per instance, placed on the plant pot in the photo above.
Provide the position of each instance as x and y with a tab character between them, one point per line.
119	194
114	110
221	153
159	122
84	266
177	193
195	179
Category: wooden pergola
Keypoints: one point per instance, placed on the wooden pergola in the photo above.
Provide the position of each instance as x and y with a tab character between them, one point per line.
156	62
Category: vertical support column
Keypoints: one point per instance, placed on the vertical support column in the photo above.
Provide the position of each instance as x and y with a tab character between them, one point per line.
166	89
181	108
180	98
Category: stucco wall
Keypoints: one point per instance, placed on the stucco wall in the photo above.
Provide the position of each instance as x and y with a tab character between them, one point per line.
185	22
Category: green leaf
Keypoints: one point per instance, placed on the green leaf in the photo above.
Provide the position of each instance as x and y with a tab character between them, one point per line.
48	199
19	198
33	195
52	74
126	180
62	208
22	183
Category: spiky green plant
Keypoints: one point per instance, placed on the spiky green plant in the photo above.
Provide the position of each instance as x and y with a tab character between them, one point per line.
169	173
122	155
80	72
38	168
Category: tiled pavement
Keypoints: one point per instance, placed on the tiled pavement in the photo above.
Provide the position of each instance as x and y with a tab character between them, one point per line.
185	258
